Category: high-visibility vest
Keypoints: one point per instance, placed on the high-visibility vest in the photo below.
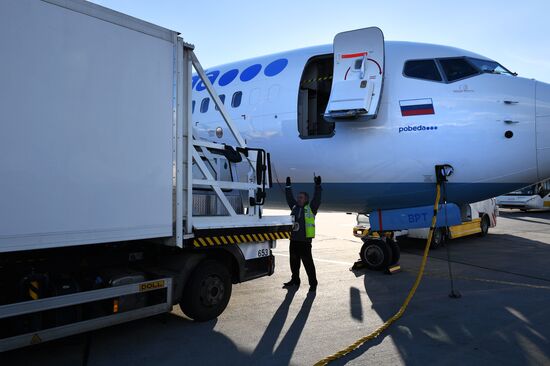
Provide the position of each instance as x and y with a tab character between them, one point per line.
310	222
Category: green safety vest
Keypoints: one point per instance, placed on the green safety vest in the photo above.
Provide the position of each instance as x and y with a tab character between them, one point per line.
310	222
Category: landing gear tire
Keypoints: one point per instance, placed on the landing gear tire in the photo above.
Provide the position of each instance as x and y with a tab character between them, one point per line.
207	292
437	238
484	225
395	251
376	254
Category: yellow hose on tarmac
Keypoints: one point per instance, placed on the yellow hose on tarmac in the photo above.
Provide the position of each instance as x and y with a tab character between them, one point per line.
403	307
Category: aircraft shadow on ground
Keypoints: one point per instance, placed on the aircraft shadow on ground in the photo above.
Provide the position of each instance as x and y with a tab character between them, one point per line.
526	216
495	322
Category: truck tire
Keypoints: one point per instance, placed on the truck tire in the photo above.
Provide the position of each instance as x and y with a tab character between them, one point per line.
484	225
207	292
437	238
376	254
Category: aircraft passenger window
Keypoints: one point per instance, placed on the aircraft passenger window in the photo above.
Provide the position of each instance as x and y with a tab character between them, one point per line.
222	98
193	107
236	99
315	88
204	105
422	69
457	68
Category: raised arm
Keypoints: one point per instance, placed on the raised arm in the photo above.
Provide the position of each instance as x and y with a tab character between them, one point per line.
316	200
290	200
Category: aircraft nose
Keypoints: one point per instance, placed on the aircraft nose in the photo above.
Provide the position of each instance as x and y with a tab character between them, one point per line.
543	129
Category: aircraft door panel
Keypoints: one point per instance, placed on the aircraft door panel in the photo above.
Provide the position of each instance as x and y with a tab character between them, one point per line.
357	77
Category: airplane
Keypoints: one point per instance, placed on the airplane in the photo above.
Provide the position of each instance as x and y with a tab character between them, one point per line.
374	117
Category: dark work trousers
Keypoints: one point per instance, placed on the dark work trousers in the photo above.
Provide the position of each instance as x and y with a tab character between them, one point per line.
301	251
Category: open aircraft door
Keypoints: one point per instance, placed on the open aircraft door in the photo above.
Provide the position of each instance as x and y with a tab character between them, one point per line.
358	75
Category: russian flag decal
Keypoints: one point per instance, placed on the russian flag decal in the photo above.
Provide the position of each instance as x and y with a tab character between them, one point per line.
416	107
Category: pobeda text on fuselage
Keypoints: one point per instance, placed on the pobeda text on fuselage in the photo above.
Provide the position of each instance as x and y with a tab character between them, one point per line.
374	117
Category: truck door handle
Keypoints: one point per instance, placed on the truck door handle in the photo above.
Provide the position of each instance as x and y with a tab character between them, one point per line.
511	102
509	121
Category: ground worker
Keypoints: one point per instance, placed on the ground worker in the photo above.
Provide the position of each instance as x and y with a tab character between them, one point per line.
303	232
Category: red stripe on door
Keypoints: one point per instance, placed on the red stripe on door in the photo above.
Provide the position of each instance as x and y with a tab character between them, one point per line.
353	55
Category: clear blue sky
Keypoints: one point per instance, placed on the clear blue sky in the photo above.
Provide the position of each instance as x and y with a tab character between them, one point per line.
515	33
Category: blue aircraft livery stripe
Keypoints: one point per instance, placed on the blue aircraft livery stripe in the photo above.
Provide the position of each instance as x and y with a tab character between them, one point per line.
273	68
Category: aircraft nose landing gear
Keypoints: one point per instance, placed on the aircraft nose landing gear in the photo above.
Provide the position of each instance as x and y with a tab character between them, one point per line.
375	254
378	254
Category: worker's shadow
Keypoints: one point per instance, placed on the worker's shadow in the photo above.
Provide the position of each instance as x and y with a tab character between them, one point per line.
171	339
265	352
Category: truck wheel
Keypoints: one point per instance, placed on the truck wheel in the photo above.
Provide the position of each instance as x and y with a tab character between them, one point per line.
376	254
207	293
395	251
484	225
437	238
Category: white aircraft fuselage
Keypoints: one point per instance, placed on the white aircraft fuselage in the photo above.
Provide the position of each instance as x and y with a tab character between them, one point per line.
494	129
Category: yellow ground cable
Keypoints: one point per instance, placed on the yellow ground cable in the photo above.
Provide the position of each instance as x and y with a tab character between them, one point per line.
401	311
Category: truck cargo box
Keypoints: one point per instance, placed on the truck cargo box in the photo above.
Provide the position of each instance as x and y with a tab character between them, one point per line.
86	125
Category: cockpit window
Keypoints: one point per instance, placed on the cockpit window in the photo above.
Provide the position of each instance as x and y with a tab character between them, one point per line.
457	68
422	69
488	66
453	68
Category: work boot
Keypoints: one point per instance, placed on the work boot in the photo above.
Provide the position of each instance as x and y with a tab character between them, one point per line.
290	283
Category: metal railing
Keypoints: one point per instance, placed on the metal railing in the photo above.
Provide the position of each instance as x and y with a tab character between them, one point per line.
197	159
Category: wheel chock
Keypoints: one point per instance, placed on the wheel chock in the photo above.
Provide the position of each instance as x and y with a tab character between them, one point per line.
358	266
393	269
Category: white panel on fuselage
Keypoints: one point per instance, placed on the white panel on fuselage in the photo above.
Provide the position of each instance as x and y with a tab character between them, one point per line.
467	128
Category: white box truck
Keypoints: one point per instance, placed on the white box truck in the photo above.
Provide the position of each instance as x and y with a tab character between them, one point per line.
110	209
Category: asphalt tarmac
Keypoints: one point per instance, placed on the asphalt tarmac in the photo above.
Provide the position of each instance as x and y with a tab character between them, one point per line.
503	316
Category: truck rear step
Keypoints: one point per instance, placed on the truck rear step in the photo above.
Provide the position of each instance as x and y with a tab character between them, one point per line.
163	285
